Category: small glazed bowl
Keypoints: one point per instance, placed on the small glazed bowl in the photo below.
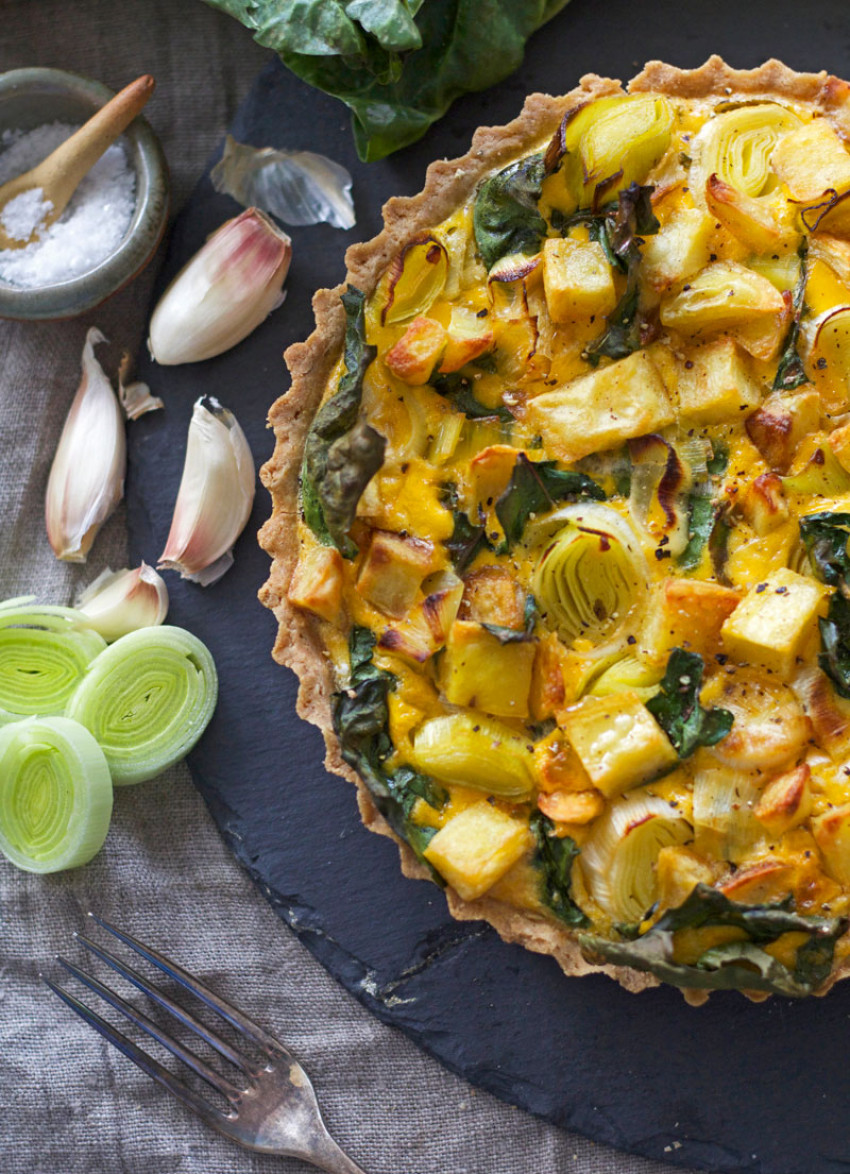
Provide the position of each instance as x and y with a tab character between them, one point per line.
32	97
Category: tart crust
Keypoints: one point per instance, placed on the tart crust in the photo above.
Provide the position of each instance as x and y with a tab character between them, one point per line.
448	184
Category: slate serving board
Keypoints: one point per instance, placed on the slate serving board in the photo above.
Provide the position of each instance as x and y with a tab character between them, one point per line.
731	1087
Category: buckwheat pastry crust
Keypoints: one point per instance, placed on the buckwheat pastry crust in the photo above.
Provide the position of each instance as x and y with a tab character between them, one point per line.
450	184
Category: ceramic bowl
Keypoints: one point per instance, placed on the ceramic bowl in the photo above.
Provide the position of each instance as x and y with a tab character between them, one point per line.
31	97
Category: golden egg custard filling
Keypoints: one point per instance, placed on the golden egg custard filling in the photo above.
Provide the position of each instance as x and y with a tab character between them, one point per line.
560	533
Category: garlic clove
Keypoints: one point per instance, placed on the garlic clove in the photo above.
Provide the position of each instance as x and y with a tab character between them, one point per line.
86	479
223	293
215	496
119	602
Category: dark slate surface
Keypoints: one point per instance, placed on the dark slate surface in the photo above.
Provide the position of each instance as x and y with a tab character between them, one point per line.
732	1086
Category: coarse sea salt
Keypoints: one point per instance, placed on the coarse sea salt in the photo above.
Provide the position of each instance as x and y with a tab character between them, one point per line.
23	214
89	230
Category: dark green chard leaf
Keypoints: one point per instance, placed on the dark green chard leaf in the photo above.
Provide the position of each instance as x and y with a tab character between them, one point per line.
702	510
791	373
397	64
506	219
676	707
468	539
623	230
825	537
554	859
734	965
535	487
340	454
361	719
458	389
834	658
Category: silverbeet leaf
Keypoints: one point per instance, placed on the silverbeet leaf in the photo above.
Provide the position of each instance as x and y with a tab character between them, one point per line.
739	965
825	537
506	219
702	509
458	389
361	721
676	707
397	64
553	859
341	454
834	657
791	373
535	487
468	539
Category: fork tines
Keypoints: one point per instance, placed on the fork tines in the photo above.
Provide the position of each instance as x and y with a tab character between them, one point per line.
274	1110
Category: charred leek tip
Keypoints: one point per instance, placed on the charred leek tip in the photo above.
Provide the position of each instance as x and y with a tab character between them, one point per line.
227	289
44	653
147	699
55	794
86	479
118	602
215	496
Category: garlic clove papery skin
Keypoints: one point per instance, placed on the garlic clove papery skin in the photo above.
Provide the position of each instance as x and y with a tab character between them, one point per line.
119	602
223	293
215	496
86	479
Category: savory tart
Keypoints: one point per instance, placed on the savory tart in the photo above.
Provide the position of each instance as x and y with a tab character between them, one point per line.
561	510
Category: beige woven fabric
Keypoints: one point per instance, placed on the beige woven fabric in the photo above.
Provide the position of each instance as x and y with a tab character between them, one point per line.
69	1104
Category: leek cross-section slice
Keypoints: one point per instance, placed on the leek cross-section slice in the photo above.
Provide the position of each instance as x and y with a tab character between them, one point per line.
736	146
55	794
147	699
592	576
44	652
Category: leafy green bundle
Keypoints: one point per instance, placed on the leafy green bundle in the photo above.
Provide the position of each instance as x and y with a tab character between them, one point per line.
397	64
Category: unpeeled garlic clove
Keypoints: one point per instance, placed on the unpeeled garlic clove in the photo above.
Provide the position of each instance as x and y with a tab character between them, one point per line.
86	479
227	289
119	602
215	496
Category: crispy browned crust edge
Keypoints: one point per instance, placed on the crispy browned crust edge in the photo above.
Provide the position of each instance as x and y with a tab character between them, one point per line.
448	183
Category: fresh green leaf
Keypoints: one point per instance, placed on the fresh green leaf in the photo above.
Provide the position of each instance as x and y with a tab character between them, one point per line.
734	965
554	858
397	64
340	454
458	389
825	537
534	488
676	707
791	373
834	657
506	219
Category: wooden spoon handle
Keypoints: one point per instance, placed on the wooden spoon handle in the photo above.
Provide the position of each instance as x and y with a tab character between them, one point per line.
62	171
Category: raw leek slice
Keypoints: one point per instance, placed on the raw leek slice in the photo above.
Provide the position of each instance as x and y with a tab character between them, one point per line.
147	699
44	652
55	794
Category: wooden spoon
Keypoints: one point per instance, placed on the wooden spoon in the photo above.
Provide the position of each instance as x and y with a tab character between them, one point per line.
60	173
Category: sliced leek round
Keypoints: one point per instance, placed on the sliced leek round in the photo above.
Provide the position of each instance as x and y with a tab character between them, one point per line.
736	146
473	750
44	653
591	578
55	794
147	699
413	282
618	859
614	142
829	358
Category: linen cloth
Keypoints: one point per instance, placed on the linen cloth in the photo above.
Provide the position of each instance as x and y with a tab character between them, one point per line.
69	1103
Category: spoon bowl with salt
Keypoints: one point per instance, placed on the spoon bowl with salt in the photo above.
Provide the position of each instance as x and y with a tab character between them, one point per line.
31	202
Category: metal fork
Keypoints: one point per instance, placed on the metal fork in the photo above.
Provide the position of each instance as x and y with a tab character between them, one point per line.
277	1111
